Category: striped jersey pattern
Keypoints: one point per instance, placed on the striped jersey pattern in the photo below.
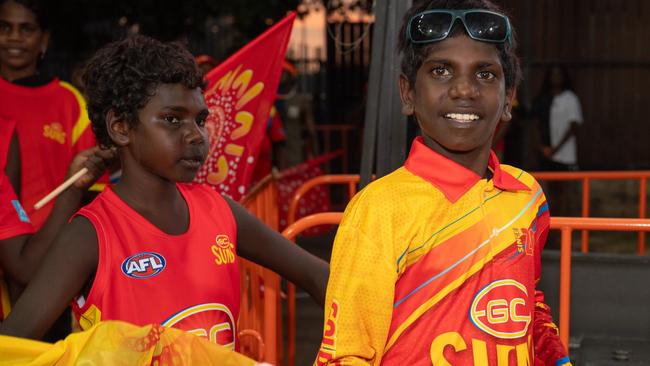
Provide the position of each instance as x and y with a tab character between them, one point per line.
433	264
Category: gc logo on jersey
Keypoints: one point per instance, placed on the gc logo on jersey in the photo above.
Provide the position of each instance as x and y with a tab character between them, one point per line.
213	321
143	265
223	250
500	309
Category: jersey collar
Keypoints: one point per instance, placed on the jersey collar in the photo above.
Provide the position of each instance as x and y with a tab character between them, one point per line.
451	178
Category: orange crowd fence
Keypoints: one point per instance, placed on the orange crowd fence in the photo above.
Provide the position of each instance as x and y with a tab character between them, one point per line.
260	317
350	179
585	177
293	230
566	225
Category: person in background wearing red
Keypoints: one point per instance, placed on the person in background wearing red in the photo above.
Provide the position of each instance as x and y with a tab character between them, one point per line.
21	247
51	119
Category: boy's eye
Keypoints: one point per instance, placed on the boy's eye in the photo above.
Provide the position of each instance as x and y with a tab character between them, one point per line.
485	75
440	71
172	120
201	118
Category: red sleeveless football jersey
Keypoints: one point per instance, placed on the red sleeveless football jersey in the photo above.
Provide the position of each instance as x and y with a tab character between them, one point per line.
52	126
188	281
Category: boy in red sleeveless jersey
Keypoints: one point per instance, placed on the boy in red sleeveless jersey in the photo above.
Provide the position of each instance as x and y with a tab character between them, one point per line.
437	262
153	249
21	249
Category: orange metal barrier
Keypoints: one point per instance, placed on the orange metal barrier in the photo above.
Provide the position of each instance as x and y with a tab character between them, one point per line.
586	177
290	233
260	333
350	179
566	225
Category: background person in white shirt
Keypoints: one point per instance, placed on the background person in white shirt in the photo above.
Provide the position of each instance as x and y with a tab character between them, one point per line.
559	116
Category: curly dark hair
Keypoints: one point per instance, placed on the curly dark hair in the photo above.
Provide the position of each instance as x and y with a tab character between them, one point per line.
413	55
123	76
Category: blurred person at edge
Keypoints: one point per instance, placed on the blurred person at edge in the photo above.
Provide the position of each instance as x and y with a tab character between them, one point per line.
50	115
558	114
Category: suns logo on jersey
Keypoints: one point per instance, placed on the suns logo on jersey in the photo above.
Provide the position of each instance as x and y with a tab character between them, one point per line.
328	346
223	250
525	241
55	132
500	309
143	265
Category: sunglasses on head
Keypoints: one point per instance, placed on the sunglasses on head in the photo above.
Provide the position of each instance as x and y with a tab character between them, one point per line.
481	25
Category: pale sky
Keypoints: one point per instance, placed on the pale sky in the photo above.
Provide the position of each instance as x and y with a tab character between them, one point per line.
309	31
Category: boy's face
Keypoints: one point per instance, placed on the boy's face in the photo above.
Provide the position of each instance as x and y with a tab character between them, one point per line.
170	139
459	95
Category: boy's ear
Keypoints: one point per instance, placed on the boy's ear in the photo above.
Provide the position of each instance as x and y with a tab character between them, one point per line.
511	95
118	128
406	95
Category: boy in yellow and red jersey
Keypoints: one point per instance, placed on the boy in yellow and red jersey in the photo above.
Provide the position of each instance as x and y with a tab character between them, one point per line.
437	262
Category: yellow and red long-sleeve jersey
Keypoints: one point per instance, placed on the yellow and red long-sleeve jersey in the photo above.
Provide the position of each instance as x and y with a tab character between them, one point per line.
434	265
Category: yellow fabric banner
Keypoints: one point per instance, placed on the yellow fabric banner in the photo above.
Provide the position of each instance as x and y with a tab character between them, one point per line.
120	343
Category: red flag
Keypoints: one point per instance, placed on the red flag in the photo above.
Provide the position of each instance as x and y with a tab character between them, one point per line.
240	95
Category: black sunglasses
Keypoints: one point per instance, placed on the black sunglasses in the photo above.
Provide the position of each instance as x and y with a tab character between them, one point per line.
481	25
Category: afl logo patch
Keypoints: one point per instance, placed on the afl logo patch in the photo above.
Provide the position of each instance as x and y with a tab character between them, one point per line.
143	265
502	309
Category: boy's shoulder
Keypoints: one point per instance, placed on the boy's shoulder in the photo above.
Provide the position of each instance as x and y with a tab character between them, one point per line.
397	190
393	183
204	196
521	175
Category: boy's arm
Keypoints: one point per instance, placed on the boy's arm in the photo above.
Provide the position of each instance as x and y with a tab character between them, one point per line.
69	264
21	255
548	347
360	296
546	337
258	243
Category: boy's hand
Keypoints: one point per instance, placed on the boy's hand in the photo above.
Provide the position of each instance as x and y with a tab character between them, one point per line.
96	160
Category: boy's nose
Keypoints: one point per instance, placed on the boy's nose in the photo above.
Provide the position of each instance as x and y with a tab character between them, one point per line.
463	87
195	135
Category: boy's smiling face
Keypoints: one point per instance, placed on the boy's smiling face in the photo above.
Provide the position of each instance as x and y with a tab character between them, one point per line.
459	96
170	140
